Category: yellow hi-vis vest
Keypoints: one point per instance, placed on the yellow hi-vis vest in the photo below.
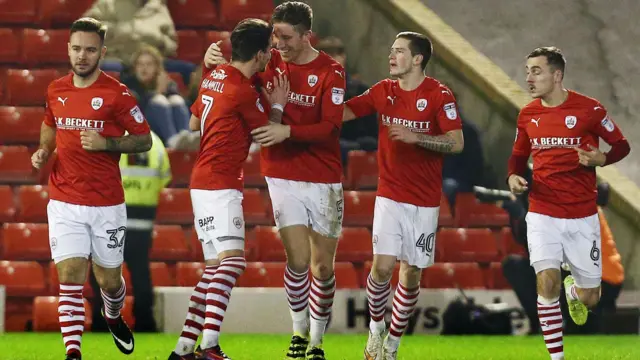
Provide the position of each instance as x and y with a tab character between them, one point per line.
144	175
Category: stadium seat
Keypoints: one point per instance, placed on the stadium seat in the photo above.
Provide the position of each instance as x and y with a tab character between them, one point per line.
15	165
260	274
358	208
18	314
22	278
161	274
190	46
508	245
168	244
494	277
215	36
18	12
346	276
179	80
394	278
471	213
10	50
362	170
194	245
189	273
61	13
181	166
467	245
54	282
22	241
194	13
251	245
453	275
45	314
445	216
7	205
174	207
354	245
32	203
232	11
251	172
28	87
269	243
24	122
255	207
45	47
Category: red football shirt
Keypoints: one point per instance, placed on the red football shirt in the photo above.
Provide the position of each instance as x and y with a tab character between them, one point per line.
314	112
84	177
561	187
228	107
409	173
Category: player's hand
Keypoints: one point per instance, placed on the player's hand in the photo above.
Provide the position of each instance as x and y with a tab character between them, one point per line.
213	56
595	157
271	134
517	184
280	92
39	158
92	141
401	133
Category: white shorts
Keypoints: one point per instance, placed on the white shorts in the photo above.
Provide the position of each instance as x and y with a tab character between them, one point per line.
80	231
219	220
317	205
405	231
575	241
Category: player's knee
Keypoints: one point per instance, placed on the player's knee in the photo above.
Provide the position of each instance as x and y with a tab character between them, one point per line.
299	264
410	275
72	271
109	283
322	271
549	283
382	272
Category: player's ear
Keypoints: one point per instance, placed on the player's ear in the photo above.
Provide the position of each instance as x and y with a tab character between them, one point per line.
417	60
103	52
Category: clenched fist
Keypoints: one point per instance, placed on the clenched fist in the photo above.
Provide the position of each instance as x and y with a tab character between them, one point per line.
39	158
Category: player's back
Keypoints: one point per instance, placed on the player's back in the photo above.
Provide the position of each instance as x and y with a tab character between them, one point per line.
228	107
315	98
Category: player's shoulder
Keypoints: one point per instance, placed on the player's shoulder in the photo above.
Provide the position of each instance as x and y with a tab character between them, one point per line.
532	108
330	65
584	100
437	88
60	83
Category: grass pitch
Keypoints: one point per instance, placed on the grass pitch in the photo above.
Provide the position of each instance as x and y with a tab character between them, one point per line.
46	346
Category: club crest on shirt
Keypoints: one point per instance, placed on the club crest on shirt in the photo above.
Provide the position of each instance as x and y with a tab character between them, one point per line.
312	80
421	104
450	110
96	103
570	121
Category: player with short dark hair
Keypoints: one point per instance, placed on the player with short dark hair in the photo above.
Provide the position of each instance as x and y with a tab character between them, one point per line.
87	114
561	129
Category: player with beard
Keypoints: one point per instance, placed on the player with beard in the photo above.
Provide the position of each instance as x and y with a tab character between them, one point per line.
226	110
419	124
301	161
87	114
561	129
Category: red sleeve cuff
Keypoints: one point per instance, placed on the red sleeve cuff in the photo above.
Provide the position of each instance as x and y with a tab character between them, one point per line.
618	152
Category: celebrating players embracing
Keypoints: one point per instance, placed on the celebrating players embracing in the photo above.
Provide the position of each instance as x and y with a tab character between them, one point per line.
226	110
560	129
419	123
86	116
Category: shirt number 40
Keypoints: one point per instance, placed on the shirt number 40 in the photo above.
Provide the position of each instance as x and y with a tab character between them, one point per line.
426	243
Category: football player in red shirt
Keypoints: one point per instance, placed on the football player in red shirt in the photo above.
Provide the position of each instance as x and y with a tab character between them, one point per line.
86	117
301	161
419	123
227	109
561	129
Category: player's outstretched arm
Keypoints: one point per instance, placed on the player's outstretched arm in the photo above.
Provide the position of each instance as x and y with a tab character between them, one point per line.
347	113
450	143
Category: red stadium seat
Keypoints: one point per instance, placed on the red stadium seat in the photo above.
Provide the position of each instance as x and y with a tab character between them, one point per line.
7	204
215	36
22	278
232	11
45	314
453	275
259	274
362	170
494	277
15	165
45	47
471	213
194	245
251	171
169	243
161	274
174	207
251	245
271	248
189	273
179	80
394	278
346	276
255	207
181	166
18	314
24	122
445	217
467	245
25	242
194	13
18	12
508	245
28	87
45	171
11	44
190	46
32	202
358	208
62	13
354	245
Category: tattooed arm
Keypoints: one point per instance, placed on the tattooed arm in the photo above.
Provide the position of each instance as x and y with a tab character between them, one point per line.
129	143
449	143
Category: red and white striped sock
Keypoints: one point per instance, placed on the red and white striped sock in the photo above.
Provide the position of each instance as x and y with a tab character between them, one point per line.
297	287
550	317
114	303
71	316
322	292
218	294
404	303
377	297
195	316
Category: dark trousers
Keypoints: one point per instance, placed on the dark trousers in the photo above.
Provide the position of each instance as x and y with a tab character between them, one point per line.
136	256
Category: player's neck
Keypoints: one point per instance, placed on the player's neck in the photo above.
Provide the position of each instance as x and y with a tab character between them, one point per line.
411	81
307	55
555	97
85	82
247	69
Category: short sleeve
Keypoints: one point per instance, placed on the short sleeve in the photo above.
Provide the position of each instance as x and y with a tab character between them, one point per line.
364	104
333	96
448	116
128	113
